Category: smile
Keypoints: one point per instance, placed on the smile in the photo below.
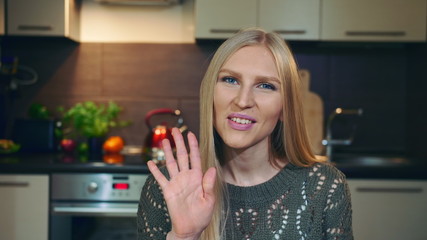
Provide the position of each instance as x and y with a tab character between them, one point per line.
241	120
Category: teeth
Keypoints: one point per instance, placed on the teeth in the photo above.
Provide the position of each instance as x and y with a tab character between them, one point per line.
241	120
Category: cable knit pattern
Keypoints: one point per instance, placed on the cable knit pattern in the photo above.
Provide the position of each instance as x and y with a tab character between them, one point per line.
298	203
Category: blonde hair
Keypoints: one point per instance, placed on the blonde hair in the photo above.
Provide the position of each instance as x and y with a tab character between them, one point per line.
289	140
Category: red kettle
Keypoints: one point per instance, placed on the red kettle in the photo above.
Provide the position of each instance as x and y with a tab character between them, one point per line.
152	149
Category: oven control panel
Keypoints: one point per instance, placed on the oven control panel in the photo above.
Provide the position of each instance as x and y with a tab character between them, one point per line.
97	187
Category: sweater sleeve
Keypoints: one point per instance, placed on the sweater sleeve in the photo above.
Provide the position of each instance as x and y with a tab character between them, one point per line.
153	220
338	212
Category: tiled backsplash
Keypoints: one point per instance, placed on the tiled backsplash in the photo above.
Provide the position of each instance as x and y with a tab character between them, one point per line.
142	77
139	77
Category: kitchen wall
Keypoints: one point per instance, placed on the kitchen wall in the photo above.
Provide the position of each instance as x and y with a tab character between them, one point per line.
388	82
416	106
163	68
139	77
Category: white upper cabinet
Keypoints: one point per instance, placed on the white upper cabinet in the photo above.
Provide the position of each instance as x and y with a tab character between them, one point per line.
221	18
326	20
374	20
43	18
292	19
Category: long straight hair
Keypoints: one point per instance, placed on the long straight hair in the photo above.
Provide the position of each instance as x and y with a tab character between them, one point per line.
288	141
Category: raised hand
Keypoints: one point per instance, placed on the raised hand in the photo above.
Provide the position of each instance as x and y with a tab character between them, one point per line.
189	194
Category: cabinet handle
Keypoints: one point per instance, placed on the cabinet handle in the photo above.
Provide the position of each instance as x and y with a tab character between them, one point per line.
14	184
375	34
95	211
290	31
34	28
224	30
389	190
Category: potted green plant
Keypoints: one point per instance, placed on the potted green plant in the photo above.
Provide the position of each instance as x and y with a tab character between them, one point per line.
92	121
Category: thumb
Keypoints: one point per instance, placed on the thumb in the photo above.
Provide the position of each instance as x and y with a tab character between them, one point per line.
209	183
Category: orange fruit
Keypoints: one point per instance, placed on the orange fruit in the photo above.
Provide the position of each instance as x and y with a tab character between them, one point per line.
113	158
113	144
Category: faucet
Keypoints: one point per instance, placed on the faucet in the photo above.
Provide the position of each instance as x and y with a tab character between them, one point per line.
329	142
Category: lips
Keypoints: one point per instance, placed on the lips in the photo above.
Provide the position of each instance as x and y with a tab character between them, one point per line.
241	121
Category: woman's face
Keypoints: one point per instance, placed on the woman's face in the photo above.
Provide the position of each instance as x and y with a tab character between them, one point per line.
247	98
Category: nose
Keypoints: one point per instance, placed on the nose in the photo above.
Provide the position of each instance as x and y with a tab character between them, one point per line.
245	98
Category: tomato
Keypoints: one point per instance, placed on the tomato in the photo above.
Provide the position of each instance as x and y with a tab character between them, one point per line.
68	145
113	144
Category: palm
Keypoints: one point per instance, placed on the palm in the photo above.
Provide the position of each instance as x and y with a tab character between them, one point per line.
188	194
186	202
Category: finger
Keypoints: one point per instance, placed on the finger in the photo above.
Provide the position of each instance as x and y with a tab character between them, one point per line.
181	150
209	183
160	178
194	151
171	164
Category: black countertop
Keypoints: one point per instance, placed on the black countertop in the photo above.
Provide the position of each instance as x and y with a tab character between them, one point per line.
61	163
353	166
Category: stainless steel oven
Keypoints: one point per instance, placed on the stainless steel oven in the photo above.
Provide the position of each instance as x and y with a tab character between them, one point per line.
94	206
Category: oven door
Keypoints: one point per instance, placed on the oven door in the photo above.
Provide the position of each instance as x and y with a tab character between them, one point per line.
94	206
93	221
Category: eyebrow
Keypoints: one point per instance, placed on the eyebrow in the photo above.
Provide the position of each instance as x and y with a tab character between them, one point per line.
228	71
258	78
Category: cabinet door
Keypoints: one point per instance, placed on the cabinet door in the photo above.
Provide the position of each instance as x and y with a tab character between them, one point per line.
36	17
374	20
24	207
222	18
391	210
2	16
293	19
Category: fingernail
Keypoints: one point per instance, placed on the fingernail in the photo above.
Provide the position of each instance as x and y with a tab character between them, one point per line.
173	130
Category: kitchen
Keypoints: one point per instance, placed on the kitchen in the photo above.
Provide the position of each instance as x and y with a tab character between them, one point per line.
139	55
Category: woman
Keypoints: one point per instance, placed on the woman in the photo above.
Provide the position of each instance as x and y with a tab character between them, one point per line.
255	176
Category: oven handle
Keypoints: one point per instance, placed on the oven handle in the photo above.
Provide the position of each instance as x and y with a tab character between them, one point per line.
107	211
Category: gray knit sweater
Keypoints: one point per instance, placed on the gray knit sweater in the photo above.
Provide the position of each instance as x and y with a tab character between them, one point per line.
298	203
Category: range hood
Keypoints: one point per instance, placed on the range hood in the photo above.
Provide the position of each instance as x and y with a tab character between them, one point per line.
140	2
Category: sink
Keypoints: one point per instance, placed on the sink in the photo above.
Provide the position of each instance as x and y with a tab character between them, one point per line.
370	160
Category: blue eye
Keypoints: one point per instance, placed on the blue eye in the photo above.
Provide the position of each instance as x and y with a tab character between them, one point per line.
267	86
229	80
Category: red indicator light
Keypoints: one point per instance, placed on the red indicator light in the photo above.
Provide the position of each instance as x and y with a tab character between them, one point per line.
121	186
